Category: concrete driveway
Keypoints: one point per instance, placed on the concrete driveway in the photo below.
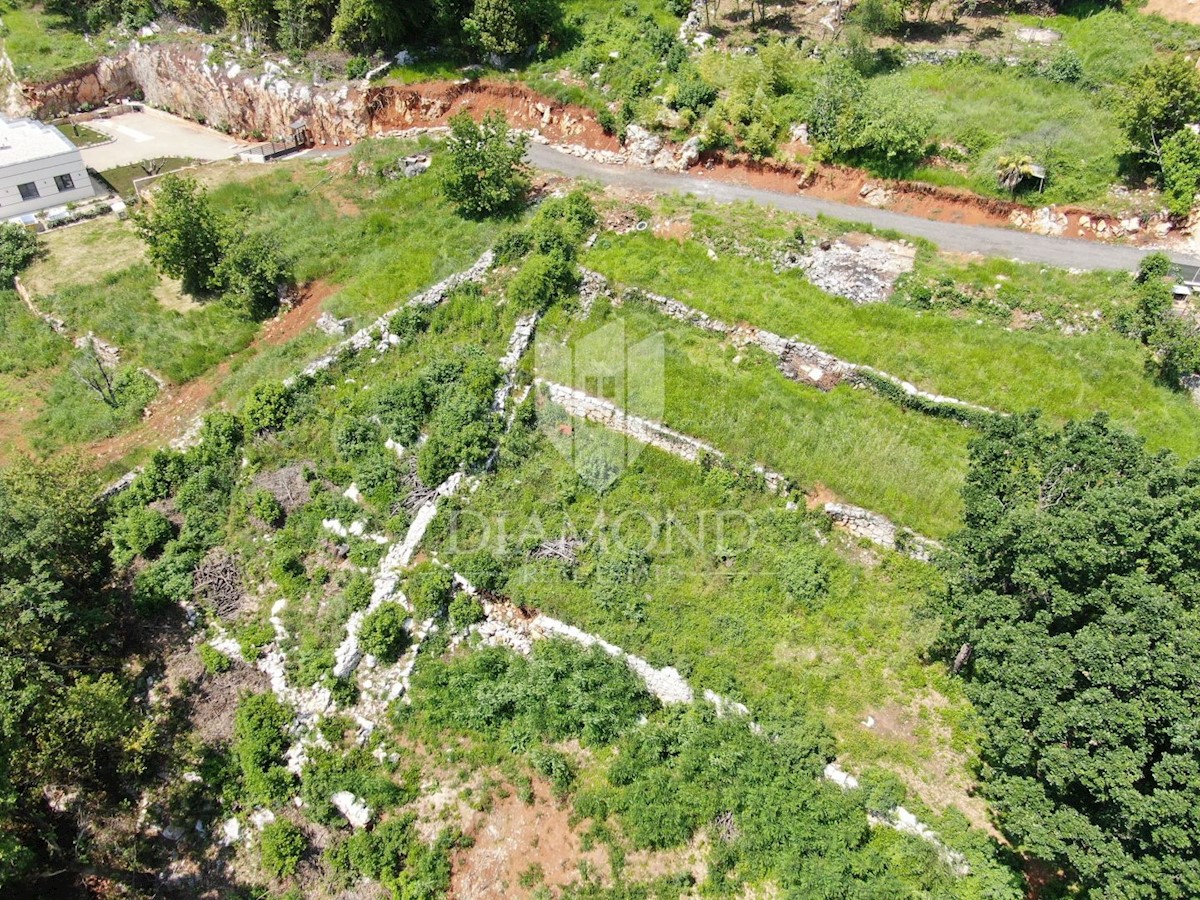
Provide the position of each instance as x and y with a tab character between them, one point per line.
150	134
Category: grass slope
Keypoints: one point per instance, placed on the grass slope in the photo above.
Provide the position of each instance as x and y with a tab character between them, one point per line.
1064	376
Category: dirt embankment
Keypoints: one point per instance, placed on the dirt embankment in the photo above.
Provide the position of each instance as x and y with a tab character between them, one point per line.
179	78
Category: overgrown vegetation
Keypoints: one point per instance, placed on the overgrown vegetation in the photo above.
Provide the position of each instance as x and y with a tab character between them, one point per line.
1082	643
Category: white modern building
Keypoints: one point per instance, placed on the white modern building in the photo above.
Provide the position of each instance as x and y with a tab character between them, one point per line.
39	168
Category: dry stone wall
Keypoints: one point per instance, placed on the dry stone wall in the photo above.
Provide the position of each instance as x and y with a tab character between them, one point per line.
805	363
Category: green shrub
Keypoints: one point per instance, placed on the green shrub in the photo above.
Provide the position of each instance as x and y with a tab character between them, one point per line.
878	16
512	246
259	740
355	436
266	508
1065	67
804	576
429	588
215	662
140	532
543	280
554	766
282	848
357	592
383	634
481	569
465	611
18	248
562	691
267	407
403	407
356	771
167	580
253	637
759	140
1181	171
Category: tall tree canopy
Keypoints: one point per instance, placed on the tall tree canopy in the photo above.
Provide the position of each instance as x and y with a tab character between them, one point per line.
1076	581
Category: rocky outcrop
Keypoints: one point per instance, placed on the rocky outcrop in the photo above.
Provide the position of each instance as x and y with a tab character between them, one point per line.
182	78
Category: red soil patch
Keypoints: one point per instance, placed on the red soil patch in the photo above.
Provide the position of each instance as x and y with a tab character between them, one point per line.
177	406
515	836
433	103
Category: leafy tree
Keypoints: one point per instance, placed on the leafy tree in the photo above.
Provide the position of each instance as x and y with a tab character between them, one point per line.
182	232
249	273
1181	171
1075	585
486	174
59	722
364	26
833	114
18	248
249	16
894	131
1162	97
302	23
509	27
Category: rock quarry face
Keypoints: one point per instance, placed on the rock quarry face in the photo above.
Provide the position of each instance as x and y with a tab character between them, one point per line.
180	78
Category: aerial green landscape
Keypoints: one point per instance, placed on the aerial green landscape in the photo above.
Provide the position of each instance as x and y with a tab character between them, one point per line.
600	449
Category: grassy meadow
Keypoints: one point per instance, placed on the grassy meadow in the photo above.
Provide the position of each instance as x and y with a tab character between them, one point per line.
973	359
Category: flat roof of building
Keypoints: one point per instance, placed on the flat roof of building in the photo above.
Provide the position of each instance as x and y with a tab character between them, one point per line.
24	140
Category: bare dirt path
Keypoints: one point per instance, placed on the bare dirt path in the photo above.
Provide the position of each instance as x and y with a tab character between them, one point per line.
177	406
1068	253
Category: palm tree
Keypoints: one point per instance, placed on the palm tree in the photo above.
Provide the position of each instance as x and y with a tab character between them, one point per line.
1012	170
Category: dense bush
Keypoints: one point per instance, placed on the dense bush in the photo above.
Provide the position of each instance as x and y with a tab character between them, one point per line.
282	847
383	633
403	407
266	508
544	279
357	592
462	432
267	407
18	248
563	691
355	771
465	611
481	568
259	740
1181	171
139	532
429	588
804	576
356	436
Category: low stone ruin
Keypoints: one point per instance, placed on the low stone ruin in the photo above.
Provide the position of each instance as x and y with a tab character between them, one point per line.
858	267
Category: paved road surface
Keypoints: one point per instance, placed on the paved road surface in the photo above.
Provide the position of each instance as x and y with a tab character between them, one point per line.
1008	243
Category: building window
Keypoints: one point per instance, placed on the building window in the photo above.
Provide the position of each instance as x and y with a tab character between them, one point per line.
64	182
28	191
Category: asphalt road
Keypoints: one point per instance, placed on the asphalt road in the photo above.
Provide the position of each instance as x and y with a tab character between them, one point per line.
1067	253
